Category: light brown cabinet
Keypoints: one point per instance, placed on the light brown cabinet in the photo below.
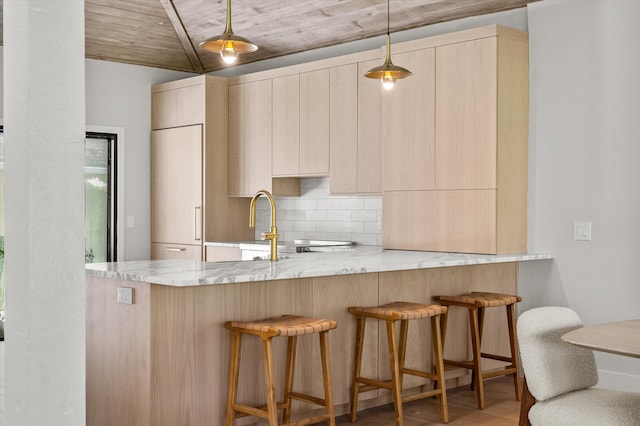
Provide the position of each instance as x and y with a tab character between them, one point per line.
465	191
301	124
189	200
408	126
250	121
176	185
355	130
177	105
250	140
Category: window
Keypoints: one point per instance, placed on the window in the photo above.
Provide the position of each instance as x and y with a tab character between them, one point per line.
100	175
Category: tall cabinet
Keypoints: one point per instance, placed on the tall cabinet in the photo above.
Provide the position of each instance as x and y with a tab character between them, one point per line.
455	144
189	165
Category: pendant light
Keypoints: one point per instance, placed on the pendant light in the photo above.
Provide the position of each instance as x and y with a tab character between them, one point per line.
387	72
228	44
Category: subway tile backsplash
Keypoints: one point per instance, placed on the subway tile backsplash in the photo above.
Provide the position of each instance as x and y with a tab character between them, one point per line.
318	215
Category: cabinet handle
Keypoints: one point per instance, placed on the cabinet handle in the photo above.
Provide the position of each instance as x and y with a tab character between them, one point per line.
175	249
196	223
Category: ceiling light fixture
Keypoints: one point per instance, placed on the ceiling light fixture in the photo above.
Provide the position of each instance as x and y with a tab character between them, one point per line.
387	72
228	44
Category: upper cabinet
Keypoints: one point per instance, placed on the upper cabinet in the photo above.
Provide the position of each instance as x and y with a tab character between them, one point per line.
189	164
301	124
175	104
250	124
408	126
455	145
250	141
355	130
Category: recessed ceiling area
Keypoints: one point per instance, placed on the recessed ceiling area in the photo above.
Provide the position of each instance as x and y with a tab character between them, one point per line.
166	33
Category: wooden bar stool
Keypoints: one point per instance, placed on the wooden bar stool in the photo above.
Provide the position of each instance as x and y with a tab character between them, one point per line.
476	303
403	312
290	326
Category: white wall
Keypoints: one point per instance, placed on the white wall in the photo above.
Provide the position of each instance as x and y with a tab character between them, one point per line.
585	158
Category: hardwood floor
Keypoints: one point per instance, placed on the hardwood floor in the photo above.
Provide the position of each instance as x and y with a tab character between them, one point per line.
502	409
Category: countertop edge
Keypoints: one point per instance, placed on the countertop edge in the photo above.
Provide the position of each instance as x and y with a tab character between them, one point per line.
364	259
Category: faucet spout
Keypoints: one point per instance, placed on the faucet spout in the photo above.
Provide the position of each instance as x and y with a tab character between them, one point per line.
272	235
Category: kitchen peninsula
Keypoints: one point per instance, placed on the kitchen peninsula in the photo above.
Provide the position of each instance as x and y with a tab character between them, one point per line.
163	359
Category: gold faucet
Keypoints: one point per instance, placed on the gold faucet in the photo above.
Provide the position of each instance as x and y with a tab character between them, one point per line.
272	236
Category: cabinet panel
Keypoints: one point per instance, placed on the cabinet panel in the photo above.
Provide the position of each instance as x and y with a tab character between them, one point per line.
190	102
176	185
343	128
452	221
222	254
250	126
408	126
369	131
183	106
161	251
163	109
286	125
314	123
466	105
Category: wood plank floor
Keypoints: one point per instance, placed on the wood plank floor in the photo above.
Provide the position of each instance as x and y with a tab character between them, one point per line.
501	409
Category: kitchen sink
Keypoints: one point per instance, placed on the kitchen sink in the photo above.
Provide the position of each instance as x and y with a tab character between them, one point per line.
260	249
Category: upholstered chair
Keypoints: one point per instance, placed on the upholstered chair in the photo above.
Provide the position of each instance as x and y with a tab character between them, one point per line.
561	377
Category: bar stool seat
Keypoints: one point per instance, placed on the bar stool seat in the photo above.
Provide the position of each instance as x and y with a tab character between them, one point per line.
476	303
290	326
403	312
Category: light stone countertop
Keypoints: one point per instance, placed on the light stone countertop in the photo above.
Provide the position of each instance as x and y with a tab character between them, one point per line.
361	259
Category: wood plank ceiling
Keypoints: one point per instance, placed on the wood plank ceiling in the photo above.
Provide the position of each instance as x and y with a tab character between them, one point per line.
166	33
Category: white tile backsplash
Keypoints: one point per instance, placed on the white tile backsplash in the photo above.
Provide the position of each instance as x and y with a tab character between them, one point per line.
318	215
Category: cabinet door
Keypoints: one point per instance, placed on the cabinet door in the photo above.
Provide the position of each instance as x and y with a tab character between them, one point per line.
451	221
163	109
314	123
466	96
176	185
369	131
250	126
408	125
183	106
286	125
343	129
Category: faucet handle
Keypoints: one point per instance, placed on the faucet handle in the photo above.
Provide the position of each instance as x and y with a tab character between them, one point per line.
263	236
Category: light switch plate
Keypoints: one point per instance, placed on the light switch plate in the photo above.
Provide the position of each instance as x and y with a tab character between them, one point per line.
582	230
125	295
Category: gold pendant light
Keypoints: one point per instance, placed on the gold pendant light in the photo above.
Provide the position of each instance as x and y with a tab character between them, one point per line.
228	44
387	72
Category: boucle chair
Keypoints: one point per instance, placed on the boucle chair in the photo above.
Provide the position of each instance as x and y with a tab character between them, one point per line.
561	376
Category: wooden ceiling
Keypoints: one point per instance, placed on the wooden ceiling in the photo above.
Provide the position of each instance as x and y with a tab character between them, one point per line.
166	33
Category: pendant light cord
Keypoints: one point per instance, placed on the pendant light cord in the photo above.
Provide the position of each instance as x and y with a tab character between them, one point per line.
388	1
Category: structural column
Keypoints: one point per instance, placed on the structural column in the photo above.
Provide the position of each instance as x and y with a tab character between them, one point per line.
44	124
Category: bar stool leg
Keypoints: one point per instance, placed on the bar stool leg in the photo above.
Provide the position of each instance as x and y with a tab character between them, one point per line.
474	376
288	378
443	332
511	314
357	360
436	337
404	329
475	346
396	390
236	340
325	354
272	406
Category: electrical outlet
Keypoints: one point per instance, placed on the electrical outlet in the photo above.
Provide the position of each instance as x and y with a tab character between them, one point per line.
125	295
582	230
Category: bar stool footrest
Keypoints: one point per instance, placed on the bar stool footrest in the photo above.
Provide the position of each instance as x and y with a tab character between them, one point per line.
374	384
418	373
307	398
496	357
422	395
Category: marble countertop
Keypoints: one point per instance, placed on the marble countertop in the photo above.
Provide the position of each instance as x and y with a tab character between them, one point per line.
361	259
